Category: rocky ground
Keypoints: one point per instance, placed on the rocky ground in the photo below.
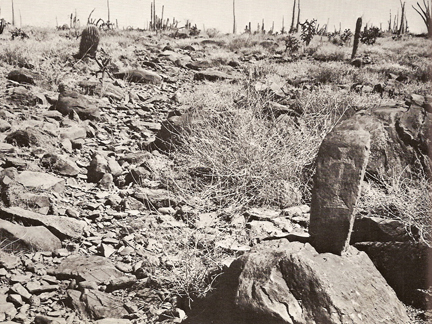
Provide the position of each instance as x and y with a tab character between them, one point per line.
92	225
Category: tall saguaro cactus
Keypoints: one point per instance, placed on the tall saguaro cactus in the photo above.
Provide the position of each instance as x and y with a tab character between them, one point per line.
356	37
13	14
426	14
234	19
293	17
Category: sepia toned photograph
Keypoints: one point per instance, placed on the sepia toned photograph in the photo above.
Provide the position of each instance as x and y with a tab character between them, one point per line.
215	162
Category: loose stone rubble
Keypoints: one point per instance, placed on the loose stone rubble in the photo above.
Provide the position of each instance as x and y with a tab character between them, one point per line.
83	168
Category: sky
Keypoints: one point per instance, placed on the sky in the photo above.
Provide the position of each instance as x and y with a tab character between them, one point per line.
212	13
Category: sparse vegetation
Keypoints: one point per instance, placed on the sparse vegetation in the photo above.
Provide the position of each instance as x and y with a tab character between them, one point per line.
237	150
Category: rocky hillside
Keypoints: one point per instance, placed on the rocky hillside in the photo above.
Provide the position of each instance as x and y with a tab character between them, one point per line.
130	183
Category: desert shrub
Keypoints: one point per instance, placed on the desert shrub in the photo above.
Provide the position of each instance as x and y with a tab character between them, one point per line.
346	36
212	32
246	156
292	44
370	35
242	41
402	197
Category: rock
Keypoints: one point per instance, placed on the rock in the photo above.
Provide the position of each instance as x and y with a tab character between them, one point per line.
399	139
375	229
24	76
59	225
16	195
199	65
106	182
121	283
41	181
95	304
71	101
26	137
405	267
4	126
358	62
23	97
60	164
7	312
6	148
97	168
262	214
210	75
341	165
20	290
73	133
140	76
155	198
114	167
20	238
41	319
87	268
113	321
9	261
292	283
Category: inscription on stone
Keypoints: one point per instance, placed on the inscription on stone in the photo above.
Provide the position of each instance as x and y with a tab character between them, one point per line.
341	164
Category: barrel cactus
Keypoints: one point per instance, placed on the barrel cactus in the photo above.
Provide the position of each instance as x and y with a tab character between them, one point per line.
89	42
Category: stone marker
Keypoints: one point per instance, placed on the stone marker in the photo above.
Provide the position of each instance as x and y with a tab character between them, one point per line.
341	164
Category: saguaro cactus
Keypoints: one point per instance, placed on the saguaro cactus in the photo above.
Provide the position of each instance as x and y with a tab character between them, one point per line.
89	42
356	37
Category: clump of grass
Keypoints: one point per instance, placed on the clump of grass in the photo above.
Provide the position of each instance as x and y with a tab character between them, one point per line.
402	197
330	53
246	156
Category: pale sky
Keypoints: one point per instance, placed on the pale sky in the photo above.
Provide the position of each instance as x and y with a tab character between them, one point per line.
212	14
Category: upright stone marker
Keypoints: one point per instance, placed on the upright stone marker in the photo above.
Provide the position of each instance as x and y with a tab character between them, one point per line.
341	164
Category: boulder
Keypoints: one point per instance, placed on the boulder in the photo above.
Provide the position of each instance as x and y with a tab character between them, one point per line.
62	227
341	165
60	164
7	311
94	304
71	101
87	268
9	261
97	168
22	96
20	238
375	229
292	283
27	137
15	194
405	267
140	76
41	181
24	76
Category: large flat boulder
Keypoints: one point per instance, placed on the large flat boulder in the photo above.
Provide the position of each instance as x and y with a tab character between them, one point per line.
87	268
61	226
20	238
41	181
94	304
292	283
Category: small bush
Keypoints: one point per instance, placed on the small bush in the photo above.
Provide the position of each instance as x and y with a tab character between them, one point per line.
370	35
292	44
212	32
